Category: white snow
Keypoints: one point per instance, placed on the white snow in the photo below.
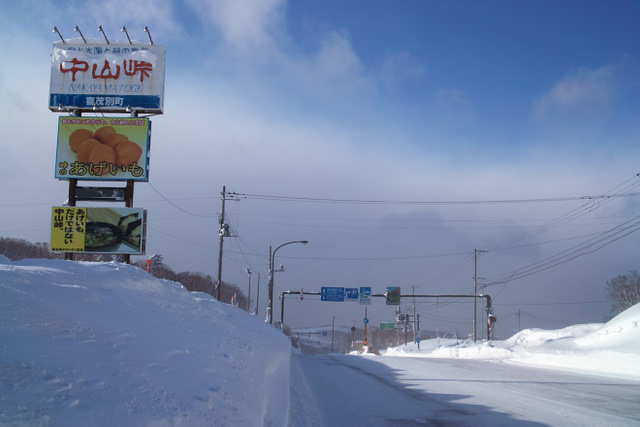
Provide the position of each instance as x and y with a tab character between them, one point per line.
611	349
108	344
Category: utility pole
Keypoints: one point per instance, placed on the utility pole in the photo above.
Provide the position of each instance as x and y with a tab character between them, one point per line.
270	288
333	330
418	320
475	291
257	295
413	292
248	270
223	232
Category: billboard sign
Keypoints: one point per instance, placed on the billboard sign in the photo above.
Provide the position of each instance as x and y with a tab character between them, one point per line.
103	148
98	230
109	77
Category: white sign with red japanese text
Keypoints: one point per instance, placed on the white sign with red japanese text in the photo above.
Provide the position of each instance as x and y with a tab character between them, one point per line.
107	77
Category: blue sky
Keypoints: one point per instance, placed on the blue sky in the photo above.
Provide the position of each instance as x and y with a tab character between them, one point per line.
403	103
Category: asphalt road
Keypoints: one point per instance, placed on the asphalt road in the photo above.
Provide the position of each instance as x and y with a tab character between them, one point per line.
339	390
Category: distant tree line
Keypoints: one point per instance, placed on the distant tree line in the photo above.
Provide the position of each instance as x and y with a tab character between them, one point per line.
17	249
194	282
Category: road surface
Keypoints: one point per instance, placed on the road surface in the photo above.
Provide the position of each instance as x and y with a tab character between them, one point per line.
339	390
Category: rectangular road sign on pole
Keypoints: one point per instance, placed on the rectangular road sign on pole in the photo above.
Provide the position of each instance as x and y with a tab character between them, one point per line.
331	294
393	295
351	294
365	295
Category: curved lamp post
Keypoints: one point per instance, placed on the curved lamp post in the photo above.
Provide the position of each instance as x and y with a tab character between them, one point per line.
272	257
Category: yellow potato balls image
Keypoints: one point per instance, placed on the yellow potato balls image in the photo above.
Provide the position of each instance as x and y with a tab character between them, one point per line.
99	154
102	133
77	136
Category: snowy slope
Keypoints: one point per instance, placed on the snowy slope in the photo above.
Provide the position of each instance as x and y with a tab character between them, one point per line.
108	344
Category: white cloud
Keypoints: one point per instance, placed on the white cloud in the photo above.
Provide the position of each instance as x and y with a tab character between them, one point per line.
335	68
452	100
586	91
246	25
158	15
400	65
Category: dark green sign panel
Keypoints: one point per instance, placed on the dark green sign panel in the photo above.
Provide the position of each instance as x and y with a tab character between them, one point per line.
393	295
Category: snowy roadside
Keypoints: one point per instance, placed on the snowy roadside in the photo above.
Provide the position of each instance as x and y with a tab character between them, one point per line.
108	344
611	349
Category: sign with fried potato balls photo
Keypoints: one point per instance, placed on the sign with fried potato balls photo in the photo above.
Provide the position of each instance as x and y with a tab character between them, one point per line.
103	148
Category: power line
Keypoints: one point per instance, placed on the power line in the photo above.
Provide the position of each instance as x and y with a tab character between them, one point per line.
179	208
592	245
549	319
575	213
595	243
441	202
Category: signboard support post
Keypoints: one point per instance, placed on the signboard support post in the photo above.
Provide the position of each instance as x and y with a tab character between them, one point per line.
73	184
128	202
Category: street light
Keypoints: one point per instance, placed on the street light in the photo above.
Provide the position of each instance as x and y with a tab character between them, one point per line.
272	257
257	295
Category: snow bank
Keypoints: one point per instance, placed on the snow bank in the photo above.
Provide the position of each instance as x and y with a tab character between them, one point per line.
109	344
611	349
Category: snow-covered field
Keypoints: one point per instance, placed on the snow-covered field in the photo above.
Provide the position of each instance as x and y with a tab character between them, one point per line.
611	349
108	344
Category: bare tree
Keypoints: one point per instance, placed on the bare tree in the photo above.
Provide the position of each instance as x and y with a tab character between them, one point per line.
16	249
624	291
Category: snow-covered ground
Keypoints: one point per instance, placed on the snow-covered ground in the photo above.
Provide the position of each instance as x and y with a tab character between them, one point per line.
611	349
108	344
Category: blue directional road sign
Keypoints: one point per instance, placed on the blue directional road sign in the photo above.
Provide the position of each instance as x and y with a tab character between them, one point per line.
331	294
351	294
365	295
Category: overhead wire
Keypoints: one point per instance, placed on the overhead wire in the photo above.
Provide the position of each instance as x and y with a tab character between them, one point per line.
590	246
576	213
598	241
414	202
166	199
